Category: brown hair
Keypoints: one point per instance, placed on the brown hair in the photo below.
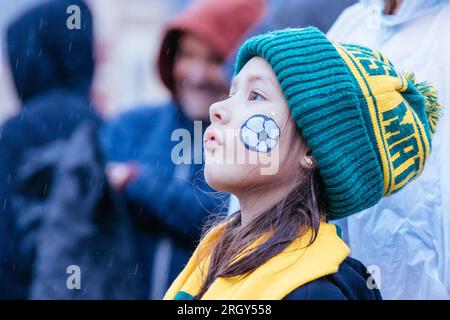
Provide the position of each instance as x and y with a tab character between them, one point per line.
300	210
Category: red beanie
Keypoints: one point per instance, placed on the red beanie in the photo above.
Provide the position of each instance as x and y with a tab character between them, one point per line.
220	23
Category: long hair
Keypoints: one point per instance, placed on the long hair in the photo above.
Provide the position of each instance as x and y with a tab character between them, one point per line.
302	209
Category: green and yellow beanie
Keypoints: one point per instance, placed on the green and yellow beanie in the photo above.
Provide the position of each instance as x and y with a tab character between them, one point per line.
368	126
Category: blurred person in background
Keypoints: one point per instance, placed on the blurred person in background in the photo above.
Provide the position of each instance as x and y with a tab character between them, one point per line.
52	68
171	200
405	237
8	95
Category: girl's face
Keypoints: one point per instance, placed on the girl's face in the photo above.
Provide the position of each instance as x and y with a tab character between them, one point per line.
252	141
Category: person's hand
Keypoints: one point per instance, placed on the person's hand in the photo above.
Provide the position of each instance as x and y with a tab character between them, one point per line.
120	175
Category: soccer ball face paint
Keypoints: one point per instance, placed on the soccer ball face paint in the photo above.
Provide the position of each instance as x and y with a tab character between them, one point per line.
260	133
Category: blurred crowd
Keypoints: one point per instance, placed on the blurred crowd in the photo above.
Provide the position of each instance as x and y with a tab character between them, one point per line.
87	172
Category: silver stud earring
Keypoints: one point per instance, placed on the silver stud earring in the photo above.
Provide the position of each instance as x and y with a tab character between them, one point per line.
308	160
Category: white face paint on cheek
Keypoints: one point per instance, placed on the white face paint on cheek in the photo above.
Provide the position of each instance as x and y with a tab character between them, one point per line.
260	133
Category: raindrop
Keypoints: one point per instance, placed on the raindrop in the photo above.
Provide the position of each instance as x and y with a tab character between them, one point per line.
41	24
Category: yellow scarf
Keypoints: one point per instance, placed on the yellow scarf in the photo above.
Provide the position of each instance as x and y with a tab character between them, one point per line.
294	266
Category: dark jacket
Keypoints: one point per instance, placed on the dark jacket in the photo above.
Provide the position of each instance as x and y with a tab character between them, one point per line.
350	282
43	122
68	216
170	201
52	69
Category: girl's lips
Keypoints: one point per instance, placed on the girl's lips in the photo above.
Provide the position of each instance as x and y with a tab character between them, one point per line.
211	139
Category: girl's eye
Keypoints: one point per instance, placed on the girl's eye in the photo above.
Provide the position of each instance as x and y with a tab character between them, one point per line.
255	96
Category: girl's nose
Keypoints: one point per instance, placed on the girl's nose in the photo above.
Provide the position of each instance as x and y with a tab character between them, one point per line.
218	113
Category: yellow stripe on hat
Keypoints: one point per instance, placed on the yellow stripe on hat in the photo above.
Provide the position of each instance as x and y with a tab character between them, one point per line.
399	136
386	167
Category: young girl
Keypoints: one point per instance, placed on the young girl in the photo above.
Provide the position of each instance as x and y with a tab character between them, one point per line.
344	129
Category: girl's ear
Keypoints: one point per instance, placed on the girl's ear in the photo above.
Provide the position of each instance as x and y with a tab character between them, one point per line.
307	161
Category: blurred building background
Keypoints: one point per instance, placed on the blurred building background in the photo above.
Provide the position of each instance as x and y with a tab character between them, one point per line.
127	36
127	39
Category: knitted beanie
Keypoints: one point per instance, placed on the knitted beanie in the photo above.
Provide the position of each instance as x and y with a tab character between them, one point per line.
369	127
